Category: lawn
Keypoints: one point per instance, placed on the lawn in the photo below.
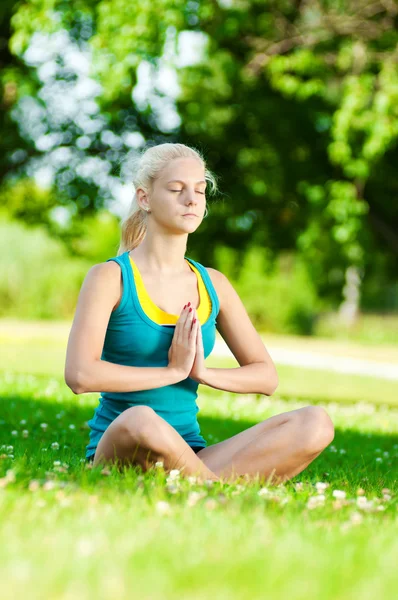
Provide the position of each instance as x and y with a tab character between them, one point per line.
72	531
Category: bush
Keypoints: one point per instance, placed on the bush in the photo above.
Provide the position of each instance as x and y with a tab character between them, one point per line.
38	279
280	296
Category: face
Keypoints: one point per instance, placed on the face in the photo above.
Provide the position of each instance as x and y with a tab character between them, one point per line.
179	190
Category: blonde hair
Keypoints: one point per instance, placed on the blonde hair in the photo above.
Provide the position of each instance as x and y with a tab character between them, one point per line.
147	166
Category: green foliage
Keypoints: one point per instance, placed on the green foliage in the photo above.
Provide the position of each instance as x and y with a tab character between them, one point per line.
294	104
280	296
37	277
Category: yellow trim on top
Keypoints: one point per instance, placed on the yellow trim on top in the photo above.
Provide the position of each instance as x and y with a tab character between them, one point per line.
158	315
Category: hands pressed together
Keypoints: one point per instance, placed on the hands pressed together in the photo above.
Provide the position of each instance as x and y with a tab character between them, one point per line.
186	353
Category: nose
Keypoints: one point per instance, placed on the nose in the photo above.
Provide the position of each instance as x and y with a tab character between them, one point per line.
191	199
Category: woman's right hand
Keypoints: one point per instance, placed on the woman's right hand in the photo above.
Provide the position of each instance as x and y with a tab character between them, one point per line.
182	351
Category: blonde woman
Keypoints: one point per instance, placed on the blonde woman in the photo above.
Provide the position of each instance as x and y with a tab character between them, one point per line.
146	321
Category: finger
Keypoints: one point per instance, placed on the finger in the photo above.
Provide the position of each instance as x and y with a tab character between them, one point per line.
187	314
200	338
189	320
194	330
180	325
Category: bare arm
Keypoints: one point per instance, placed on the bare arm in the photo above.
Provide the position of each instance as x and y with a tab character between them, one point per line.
84	369
257	373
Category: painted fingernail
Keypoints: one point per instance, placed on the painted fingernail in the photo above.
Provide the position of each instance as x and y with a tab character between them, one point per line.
190	309
194	320
184	306
188	304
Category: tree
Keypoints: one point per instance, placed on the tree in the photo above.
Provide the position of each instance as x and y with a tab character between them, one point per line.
293	103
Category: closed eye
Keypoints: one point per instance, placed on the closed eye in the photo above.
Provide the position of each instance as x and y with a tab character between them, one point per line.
203	193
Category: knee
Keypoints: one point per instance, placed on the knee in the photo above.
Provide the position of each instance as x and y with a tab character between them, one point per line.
318	427
138	422
143	426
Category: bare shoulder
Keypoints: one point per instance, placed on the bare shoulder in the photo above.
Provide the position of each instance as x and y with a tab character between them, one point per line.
105	277
222	285
105	269
217	279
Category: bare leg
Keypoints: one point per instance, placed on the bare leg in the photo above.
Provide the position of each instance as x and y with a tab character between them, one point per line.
179	455
140	436
287	446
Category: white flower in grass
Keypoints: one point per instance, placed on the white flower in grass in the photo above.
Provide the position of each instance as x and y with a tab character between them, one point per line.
163	508
193	498
49	485
55	446
315	501
14	432
340	494
10	475
34	485
57	463
321	486
44	426
22	422
25	433
159	464
71	426
263	492
379	459
298	486
363	503
173	481
10	448
174	474
386	497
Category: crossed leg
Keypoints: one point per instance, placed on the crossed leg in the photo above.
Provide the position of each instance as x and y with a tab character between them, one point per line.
139	436
276	449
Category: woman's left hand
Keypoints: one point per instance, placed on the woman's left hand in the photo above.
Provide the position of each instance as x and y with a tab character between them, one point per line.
198	368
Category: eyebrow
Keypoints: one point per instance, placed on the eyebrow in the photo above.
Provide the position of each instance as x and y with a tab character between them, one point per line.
179	181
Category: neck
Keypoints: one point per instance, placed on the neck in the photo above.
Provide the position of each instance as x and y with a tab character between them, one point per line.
160	256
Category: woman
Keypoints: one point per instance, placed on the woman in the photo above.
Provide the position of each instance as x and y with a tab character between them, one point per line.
145	322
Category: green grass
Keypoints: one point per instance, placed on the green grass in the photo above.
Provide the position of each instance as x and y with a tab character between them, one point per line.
73	531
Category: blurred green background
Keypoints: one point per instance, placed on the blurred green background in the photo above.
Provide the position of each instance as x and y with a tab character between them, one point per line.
295	107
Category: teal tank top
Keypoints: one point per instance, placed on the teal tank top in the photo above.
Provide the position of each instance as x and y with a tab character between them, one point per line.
135	340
